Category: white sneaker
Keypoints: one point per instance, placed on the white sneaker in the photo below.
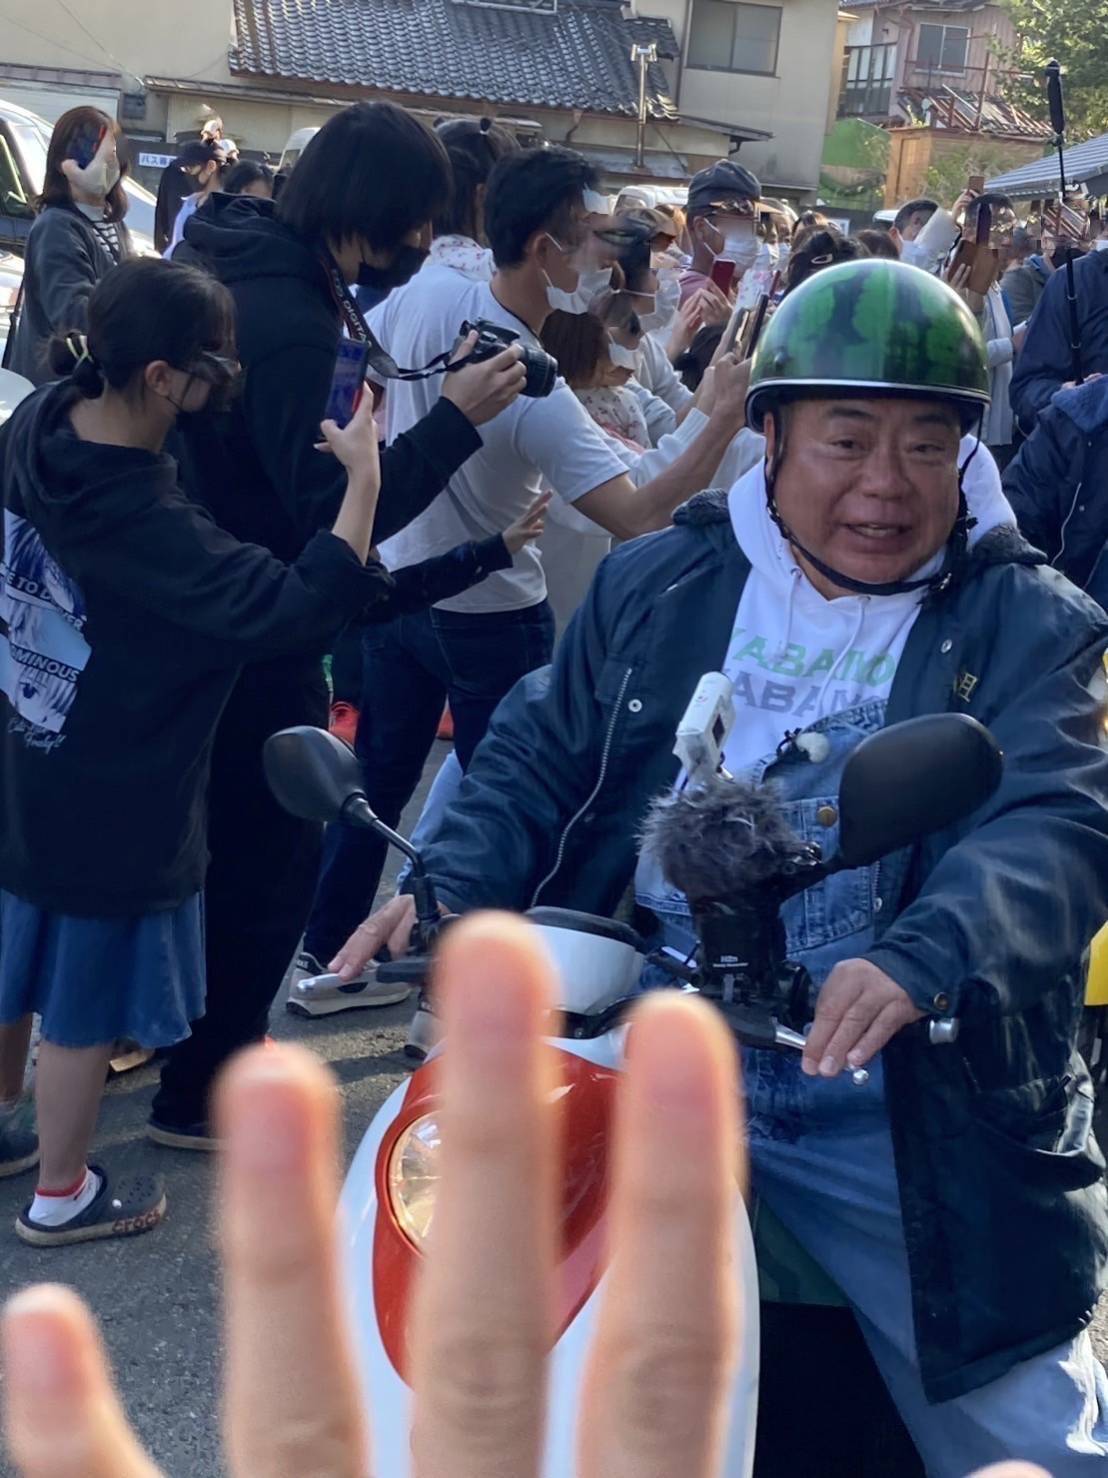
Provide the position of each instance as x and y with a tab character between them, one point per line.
312	992
424	1032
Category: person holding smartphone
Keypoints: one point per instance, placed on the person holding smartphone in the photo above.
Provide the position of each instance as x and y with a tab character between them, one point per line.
722	227
128	615
78	235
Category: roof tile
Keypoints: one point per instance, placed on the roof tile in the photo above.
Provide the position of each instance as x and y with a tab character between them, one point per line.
577	56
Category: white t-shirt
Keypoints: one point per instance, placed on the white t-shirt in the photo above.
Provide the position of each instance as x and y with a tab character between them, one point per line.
535	441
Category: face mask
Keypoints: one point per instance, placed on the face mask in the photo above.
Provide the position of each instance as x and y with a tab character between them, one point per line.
622	357
402	268
98	176
666	302
768	253
742	250
783	256
589	287
1101	244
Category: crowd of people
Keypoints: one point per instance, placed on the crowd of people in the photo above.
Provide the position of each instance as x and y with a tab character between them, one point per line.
907	511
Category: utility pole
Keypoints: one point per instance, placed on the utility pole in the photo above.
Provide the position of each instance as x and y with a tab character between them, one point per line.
643	52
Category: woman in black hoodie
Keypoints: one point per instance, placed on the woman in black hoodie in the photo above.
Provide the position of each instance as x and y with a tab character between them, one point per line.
126	614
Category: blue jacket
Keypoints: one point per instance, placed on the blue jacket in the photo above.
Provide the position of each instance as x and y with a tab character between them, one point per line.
1005	1212
1058	486
1044	364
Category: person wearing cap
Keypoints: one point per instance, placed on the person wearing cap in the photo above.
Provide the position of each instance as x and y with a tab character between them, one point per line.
202	163
722	222
851	581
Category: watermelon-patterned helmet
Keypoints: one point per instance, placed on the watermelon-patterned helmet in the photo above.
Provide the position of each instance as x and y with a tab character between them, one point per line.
875	326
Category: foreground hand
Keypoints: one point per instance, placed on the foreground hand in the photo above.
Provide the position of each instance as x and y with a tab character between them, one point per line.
527	529
481	391
481	1328
858	1011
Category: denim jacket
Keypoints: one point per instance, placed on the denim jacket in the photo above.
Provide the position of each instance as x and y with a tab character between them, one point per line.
1005	1211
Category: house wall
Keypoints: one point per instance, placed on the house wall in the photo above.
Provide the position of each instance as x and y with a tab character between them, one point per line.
792	105
992	35
139	37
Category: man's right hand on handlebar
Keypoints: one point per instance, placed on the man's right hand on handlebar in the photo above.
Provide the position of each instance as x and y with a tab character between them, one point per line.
391	925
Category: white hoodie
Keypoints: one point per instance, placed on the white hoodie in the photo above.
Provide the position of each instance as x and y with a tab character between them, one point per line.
795	656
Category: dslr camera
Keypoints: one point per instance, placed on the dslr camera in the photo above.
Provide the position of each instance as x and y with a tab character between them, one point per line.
540	368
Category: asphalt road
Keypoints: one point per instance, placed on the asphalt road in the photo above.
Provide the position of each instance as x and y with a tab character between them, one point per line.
157	1295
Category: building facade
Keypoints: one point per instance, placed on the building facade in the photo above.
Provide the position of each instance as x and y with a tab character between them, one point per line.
652	89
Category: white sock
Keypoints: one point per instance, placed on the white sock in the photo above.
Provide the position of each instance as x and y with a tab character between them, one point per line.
51	1209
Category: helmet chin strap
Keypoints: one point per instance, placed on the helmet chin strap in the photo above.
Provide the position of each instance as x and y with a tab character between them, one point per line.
955	548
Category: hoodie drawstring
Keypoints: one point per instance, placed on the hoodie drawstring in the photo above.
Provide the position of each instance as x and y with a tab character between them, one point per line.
863	601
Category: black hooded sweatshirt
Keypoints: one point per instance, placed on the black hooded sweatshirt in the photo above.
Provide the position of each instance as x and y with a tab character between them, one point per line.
125	615
256	468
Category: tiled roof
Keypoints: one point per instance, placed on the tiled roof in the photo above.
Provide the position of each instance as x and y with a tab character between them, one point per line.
577	56
1086	164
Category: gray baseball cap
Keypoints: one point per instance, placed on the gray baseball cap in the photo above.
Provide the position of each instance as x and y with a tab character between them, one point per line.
722	183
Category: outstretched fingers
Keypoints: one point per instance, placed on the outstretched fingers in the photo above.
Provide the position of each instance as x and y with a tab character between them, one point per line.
656	1392
62	1417
483	1315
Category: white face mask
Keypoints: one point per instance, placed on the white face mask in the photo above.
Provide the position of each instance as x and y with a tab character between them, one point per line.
589	287
740	249
622	357
768	254
666	302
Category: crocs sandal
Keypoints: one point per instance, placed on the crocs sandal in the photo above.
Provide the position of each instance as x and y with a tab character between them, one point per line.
18	1140
119	1209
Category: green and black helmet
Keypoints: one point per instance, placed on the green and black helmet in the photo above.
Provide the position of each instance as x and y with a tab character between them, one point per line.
871	326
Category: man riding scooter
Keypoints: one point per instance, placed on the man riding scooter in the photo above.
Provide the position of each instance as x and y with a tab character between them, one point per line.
957	1198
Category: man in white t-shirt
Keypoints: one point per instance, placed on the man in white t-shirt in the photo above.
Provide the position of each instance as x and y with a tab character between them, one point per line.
544	220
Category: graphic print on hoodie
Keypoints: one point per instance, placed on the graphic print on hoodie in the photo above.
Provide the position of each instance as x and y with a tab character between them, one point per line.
43	650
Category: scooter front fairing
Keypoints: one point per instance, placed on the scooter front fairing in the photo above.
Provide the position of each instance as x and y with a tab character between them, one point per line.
381	1257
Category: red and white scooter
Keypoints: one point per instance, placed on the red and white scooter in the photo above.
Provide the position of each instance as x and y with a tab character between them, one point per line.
389	1196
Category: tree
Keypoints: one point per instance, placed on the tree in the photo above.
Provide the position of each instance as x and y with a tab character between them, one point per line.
1076	33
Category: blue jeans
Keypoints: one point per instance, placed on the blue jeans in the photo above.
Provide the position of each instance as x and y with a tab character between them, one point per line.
822	1159
411	666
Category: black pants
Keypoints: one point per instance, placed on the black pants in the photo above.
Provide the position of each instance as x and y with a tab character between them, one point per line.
260	881
408	667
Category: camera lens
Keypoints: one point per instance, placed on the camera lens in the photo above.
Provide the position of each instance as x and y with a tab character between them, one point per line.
541	371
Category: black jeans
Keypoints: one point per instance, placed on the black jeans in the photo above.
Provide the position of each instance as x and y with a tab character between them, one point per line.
261	876
410	666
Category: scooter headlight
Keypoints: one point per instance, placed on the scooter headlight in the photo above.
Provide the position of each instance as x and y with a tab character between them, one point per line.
413	1177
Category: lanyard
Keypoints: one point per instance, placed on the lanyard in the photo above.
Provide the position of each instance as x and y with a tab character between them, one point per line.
377	355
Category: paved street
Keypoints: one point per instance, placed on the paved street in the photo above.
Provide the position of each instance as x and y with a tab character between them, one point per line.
157	1296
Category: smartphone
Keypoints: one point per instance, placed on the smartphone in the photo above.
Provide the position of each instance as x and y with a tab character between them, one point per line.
347	382
976	183
86	142
722	274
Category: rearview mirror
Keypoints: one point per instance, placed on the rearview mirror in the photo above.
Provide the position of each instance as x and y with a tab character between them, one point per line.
311	773
912	779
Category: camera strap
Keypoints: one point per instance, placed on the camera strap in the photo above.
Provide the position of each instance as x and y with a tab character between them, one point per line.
377	356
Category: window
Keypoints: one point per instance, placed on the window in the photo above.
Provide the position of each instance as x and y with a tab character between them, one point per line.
943	47
729	37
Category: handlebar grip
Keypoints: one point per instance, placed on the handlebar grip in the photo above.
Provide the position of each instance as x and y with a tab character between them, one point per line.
409	970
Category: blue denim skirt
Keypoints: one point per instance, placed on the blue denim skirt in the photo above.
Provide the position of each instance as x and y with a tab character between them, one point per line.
102	980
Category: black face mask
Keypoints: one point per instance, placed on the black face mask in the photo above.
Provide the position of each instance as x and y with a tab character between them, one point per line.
402	268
